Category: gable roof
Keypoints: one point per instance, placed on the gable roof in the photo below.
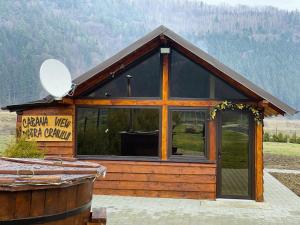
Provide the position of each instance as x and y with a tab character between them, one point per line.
163	31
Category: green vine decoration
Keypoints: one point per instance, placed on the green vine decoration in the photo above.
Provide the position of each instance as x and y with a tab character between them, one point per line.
257	114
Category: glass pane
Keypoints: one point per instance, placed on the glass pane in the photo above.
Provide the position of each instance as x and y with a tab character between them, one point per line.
118	131
225	91
235	156
144	81
188	133
187	79
190	80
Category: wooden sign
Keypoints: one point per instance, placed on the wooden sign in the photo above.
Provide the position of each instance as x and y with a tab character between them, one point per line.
47	128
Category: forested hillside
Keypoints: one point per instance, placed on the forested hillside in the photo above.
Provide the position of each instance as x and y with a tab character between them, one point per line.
261	43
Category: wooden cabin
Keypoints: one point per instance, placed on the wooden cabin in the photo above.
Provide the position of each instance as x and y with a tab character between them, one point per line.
165	118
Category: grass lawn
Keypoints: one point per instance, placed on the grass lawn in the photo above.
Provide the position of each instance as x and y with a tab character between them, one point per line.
282	155
4	139
7	128
188	143
234	149
286	149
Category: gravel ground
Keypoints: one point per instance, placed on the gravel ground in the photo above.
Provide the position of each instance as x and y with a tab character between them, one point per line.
281	161
292	181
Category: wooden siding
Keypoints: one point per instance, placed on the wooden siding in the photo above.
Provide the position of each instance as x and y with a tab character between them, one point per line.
158	179
53	148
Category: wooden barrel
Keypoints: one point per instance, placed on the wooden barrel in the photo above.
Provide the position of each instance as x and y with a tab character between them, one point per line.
46	192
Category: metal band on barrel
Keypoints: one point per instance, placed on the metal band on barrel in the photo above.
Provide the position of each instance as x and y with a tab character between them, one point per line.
47	218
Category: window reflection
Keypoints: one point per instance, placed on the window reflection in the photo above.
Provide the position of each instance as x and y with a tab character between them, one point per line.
139	80
118	131
187	79
235	155
190	80
188	132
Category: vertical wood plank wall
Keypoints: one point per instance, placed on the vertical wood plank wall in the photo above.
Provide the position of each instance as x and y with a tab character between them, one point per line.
259	163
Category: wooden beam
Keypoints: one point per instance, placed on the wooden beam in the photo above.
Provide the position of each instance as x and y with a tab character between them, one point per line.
259	163
165	119
268	111
212	127
267	107
263	104
135	102
118	102
193	103
69	101
164	133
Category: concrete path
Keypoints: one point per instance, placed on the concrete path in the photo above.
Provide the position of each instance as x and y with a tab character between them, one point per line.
281	206
282	171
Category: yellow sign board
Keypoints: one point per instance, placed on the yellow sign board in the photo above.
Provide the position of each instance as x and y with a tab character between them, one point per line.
47	128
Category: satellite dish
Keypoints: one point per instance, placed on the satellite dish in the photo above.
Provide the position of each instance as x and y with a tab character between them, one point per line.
55	78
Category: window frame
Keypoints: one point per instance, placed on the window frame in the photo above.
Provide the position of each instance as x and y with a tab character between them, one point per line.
165	104
251	156
114	157
188	158
108	79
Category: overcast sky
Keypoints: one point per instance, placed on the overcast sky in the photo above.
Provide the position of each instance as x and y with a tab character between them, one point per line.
282	4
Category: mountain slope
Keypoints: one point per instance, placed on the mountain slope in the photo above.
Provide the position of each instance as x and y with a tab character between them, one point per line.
261	43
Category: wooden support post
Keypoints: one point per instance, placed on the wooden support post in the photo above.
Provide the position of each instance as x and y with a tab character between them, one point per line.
259	163
212	139
74	138
165	119
212	144
19	126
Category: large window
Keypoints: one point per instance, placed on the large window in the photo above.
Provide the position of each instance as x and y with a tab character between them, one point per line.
118	131
188	133
190	80
143	79
147	123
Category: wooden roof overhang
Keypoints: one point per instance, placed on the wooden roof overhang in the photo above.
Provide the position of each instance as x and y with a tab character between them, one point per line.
163	36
